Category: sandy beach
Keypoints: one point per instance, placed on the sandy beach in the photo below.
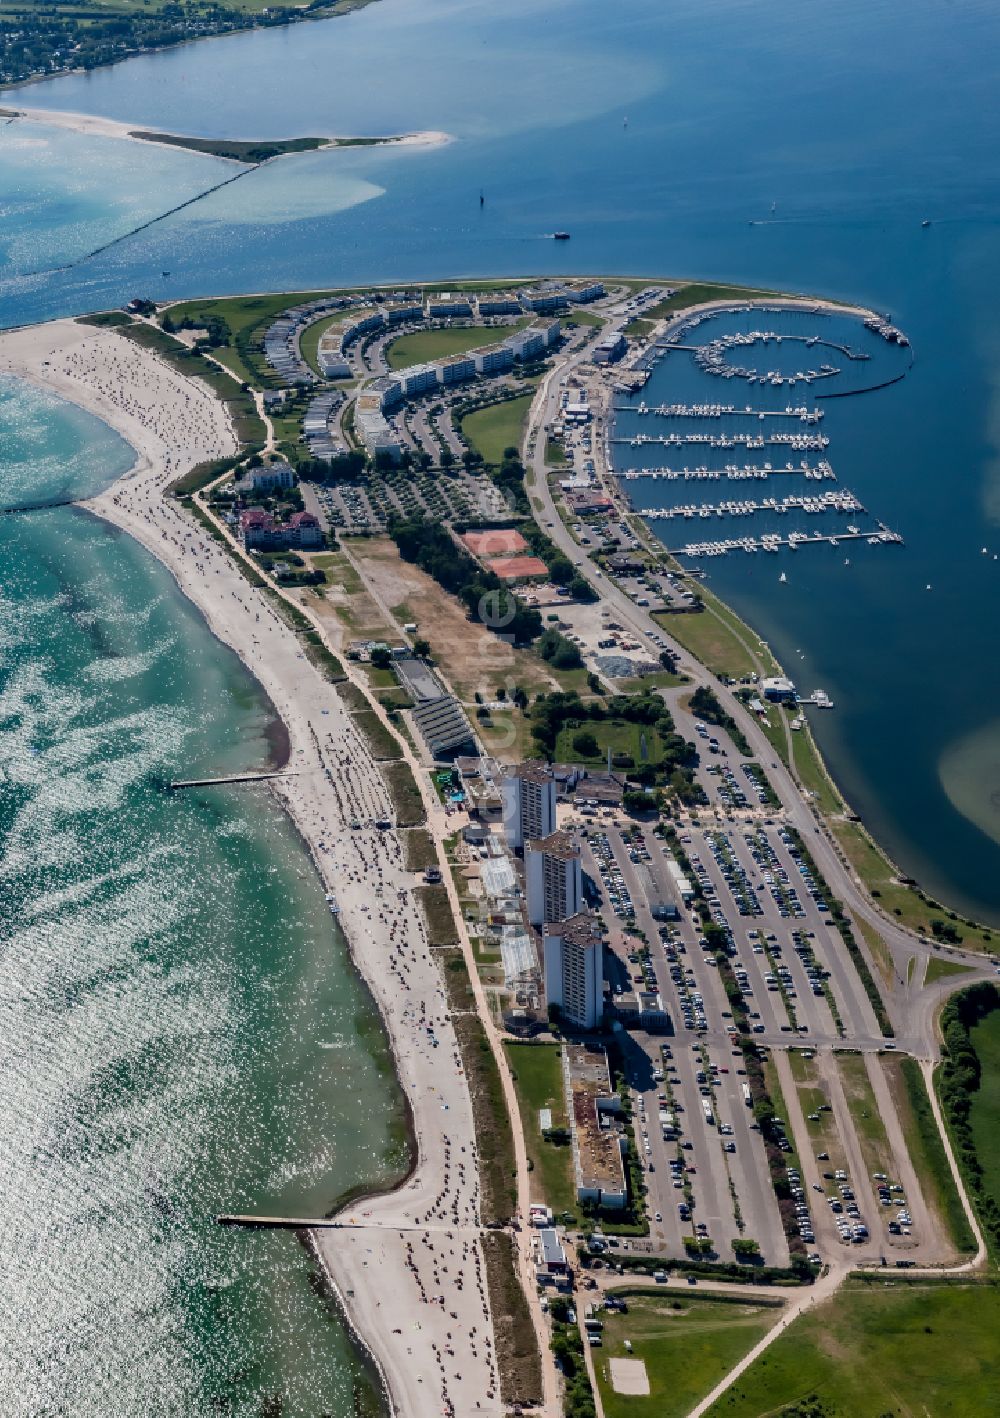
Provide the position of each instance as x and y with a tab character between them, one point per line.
97	127
408	1266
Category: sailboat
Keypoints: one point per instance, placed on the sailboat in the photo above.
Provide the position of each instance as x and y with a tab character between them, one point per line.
782	577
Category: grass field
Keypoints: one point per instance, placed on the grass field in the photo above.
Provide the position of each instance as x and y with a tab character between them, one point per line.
421	346
923	1142
687	1344
879	1350
985	1114
712	640
497	427
879	950
812	773
698	293
538	1084
618	735
896	897
938	969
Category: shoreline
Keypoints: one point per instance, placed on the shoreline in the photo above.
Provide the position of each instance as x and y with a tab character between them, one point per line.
172	422
95	126
788	301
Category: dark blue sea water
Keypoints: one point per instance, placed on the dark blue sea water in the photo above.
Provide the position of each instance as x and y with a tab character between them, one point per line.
788	147
835	132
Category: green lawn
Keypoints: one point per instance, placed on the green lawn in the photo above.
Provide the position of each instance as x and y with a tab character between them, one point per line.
878	1350
985	1113
421	346
687	1342
923	1142
812	773
617	734
697	293
249	313
497	427
538	1084
938	969
311	336
711	640
898	899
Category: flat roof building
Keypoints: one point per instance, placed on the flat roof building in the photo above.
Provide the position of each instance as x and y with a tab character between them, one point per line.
609	347
553	878
574	969
498	305
417	678
778	690
598	1167
442	725
449	307
529	803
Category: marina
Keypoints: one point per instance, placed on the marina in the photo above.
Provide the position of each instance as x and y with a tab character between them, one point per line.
748	473
680	419
823	502
773	542
715	411
802	442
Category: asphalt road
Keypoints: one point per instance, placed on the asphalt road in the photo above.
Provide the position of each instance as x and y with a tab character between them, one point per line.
912	1012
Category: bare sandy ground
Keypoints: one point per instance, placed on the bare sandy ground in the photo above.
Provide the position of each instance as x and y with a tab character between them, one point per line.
409	1266
99	127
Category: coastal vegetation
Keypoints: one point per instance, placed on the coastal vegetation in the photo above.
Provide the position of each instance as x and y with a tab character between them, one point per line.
248	151
247	423
878	1347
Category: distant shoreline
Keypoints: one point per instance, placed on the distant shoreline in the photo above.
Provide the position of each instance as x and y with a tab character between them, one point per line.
243	151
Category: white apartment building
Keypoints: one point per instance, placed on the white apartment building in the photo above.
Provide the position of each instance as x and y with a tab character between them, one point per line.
574	969
529	804
553	879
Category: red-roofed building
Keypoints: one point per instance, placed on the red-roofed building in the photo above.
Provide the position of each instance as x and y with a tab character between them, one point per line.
519	568
261	532
303	530
498	541
259	529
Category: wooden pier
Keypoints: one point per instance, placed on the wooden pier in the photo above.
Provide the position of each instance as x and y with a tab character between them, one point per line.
182	783
327	1223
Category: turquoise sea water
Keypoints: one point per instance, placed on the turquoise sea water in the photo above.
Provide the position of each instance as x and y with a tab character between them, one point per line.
181	1031
835	134
171	987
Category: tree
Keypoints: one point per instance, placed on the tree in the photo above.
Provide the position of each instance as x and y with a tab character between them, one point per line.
447	458
422	649
381	657
585	744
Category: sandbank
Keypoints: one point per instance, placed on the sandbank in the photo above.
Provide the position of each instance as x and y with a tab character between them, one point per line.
96	126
